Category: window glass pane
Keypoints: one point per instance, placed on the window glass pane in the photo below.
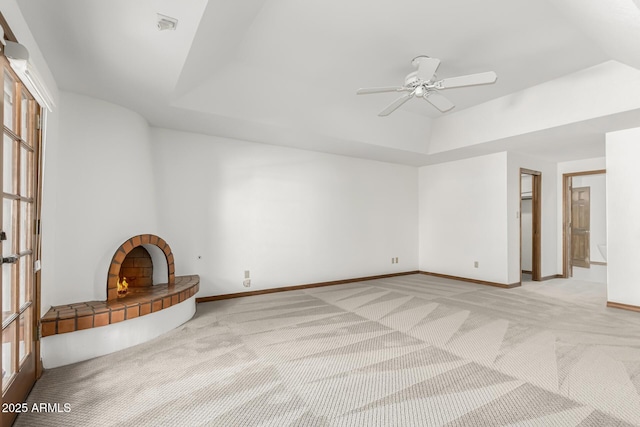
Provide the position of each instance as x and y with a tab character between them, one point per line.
24	334
8	342
27	165
25	279
9	98
25	226
22	282
7	291
24	158
7	226
24	116
7	165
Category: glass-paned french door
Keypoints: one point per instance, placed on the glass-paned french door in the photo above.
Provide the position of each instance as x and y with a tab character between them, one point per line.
19	165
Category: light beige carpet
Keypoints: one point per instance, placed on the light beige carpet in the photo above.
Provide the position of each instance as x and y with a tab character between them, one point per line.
412	350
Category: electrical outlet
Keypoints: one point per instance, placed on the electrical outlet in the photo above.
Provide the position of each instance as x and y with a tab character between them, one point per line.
476	264
247	279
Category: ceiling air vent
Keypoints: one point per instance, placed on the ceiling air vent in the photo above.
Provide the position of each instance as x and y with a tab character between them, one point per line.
166	22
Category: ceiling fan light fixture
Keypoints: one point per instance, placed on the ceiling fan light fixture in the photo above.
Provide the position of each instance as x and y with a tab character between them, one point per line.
419	90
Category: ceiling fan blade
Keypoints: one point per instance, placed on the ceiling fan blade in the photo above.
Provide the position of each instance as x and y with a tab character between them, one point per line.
395	104
470	80
427	67
368	90
439	101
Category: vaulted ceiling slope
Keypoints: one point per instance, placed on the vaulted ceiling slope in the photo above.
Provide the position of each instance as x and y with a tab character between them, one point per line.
285	72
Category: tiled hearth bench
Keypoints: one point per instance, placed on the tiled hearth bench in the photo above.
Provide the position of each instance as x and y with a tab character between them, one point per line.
92	314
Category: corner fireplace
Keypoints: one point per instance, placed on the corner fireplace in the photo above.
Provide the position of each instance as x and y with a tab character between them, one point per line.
146	261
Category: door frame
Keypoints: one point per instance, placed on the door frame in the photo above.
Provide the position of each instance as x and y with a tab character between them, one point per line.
536	220
25	379
567	268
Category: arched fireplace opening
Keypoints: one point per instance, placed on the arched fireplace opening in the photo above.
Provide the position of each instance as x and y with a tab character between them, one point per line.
137	264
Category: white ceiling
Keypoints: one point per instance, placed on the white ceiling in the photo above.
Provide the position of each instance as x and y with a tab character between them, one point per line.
285	71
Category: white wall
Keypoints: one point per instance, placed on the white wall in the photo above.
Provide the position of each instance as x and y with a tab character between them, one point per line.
104	195
463	217
623	211
526	221
526	185
548	202
527	234
289	216
49	207
584	165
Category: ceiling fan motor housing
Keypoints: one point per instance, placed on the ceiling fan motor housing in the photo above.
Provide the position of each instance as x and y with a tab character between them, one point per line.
417	86
411	80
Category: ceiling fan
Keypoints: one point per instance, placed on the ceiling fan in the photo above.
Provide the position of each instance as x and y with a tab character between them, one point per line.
422	83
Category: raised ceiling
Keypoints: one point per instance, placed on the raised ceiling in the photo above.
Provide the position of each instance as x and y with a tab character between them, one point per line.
285	71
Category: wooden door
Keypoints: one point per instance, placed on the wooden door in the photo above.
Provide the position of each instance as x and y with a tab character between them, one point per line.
580	227
19	165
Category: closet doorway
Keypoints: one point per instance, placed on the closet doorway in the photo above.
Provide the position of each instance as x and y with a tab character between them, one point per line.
530	222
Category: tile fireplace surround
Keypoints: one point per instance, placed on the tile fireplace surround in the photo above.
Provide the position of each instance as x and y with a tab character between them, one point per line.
92	314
